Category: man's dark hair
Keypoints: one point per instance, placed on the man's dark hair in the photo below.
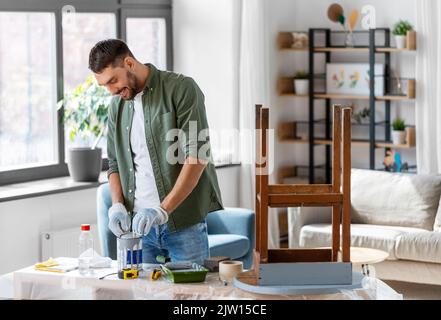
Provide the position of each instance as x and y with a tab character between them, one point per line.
110	52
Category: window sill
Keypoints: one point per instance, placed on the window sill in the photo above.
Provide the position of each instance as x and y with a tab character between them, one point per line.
45	187
226	165
38	188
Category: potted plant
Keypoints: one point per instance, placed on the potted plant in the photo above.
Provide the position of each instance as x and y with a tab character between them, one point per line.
85	121
398	131
400	32
301	83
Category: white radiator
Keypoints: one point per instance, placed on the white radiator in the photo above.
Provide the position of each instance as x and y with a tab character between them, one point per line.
64	243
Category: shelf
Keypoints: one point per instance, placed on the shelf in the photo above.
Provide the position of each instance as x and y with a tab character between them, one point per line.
285	87
358	97
294	95
354	124
341	49
394	98
364	143
393	146
355	143
289	133
361	50
382	50
285	41
295	49
339	96
293	140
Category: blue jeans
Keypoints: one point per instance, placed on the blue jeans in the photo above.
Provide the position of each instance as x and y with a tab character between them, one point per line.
190	244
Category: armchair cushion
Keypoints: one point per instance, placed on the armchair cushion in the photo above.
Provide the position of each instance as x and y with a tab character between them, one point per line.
233	245
231	233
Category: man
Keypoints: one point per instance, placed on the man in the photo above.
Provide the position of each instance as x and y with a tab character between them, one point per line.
154	193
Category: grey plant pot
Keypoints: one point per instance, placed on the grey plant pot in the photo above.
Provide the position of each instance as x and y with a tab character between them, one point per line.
84	164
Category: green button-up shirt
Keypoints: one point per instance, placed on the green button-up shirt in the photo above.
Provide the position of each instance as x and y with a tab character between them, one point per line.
173	107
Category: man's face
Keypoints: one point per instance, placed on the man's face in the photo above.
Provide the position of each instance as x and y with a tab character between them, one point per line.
119	80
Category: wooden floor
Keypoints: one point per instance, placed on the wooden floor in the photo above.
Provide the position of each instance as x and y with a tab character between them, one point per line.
415	291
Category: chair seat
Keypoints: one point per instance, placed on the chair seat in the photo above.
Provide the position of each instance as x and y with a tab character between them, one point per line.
236	245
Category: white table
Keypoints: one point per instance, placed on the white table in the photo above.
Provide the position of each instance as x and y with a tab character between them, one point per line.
29	283
367	256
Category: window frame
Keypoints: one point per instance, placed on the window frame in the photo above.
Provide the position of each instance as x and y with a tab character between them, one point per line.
122	10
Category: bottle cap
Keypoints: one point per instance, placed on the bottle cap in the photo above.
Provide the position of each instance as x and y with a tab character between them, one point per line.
85	227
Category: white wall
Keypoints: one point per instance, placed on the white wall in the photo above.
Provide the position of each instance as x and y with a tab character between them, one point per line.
287	15
205	45
22	222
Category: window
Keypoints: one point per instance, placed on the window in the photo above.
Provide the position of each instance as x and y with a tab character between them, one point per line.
146	37
80	34
28	93
44	49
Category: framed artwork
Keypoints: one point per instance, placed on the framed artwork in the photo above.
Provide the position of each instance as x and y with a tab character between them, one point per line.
353	79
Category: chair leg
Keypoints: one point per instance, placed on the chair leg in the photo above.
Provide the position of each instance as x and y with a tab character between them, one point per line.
336	221
346	213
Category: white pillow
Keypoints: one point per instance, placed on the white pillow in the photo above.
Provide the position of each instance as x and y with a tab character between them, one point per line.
395	199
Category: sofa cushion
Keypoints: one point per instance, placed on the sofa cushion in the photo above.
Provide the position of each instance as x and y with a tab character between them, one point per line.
362	235
230	245
394	199
437	224
422	246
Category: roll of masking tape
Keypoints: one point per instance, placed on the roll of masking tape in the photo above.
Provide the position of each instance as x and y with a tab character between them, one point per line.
228	270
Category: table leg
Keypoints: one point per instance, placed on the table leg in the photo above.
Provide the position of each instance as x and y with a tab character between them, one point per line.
365	269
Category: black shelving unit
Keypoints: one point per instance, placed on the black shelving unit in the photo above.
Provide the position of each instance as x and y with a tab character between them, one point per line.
372	50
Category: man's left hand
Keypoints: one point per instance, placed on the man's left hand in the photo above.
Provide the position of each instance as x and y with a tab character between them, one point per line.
145	219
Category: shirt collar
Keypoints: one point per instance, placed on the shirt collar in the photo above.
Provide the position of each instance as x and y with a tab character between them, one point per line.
151	79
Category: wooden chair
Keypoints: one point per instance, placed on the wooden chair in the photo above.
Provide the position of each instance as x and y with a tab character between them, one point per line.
335	195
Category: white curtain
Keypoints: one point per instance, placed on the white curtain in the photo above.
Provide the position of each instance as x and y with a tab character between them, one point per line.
428	77
253	89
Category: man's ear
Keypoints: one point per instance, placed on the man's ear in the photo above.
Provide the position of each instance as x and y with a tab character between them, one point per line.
129	62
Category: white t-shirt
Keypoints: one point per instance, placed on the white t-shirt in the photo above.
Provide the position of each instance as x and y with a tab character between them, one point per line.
146	192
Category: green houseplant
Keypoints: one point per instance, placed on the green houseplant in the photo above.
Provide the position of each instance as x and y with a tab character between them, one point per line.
400	32
85	120
301	82
398	131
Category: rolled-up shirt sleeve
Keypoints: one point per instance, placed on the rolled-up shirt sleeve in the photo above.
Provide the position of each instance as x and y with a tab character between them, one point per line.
111	150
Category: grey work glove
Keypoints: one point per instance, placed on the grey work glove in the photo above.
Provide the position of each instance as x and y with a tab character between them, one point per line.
119	219
145	219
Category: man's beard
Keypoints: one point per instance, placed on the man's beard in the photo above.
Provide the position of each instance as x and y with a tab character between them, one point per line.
133	86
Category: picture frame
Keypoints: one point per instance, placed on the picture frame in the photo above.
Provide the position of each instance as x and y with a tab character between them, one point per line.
353	79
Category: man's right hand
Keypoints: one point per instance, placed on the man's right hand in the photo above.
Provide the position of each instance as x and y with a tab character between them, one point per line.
119	219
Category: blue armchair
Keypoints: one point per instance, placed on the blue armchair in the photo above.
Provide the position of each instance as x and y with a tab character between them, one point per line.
230	231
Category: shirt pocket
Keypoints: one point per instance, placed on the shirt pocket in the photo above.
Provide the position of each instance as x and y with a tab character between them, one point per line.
164	130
